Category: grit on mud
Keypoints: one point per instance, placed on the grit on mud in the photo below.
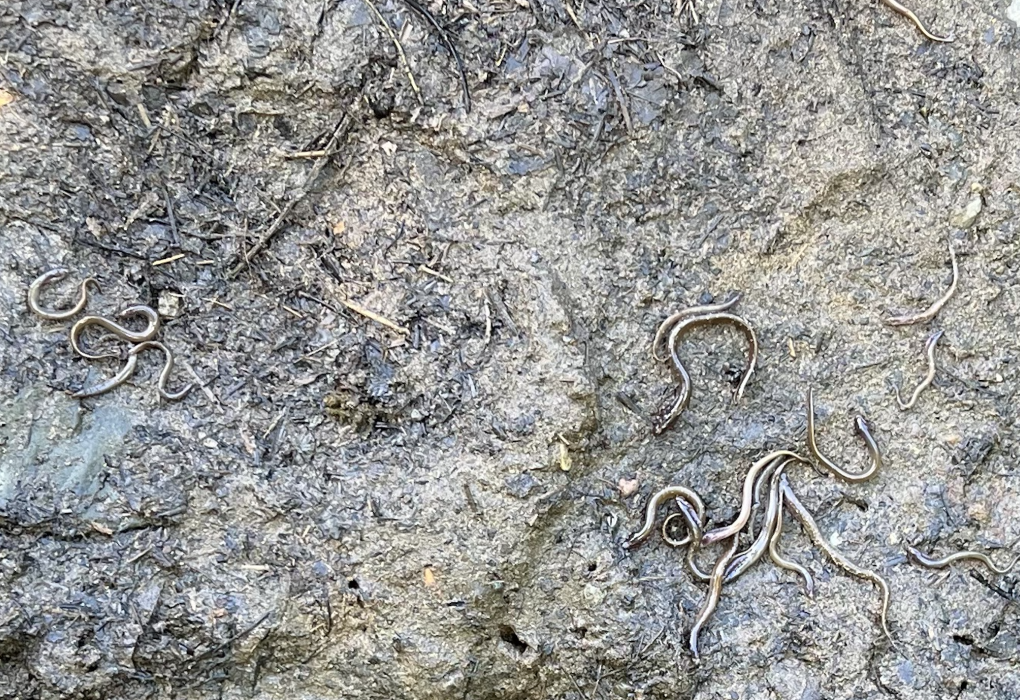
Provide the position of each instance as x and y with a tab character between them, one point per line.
419	328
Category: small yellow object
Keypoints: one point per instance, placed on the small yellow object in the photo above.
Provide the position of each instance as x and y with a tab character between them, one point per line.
428	576
6	98
100	528
167	261
565	462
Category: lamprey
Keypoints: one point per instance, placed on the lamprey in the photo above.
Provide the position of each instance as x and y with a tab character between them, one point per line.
933	310
683	395
111	383
673	319
814	533
862	429
919	557
892	4
694	526
746	559
721	554
164	375
782	562
715	585
719	534
759	482
150	314
929	351
49	277
652	508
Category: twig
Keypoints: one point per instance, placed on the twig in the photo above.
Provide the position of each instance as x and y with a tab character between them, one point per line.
170	217
241	635
629	404
166	261
367	313
320	302
445	38
435	273
649	645
313	173
998	590
488	324
78	238
618	91
687	7
584	695
400	49
317	350
202	384
573	17
144	115
304	154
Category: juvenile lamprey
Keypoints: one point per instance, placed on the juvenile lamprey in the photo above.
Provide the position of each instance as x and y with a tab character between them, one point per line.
715	319
112	382
759	482
721	533
715	585
794	505
683	395
913	18
164	375
933	310
56	275
692	528
150	314
746	559
694	521
782	562
651	511
765	477
673	319
862	429
919	557
929	351
695	526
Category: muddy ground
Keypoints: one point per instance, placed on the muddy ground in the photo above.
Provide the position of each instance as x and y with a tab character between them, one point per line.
434	509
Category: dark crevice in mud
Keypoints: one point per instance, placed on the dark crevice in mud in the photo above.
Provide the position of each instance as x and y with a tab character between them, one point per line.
509	636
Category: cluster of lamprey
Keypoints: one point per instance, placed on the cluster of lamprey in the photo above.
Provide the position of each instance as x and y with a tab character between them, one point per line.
766	492
766	489
680	323
139	341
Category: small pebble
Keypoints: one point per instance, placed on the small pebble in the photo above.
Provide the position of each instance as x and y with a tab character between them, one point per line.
627	486
169	304
966	217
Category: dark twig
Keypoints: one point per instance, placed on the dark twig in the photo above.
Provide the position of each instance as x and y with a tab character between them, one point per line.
334	142
171	218
400	49
237	637
92	243
994	588
618	91
444	36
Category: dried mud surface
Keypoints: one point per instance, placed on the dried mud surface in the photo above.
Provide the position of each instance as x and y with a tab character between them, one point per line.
341	509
